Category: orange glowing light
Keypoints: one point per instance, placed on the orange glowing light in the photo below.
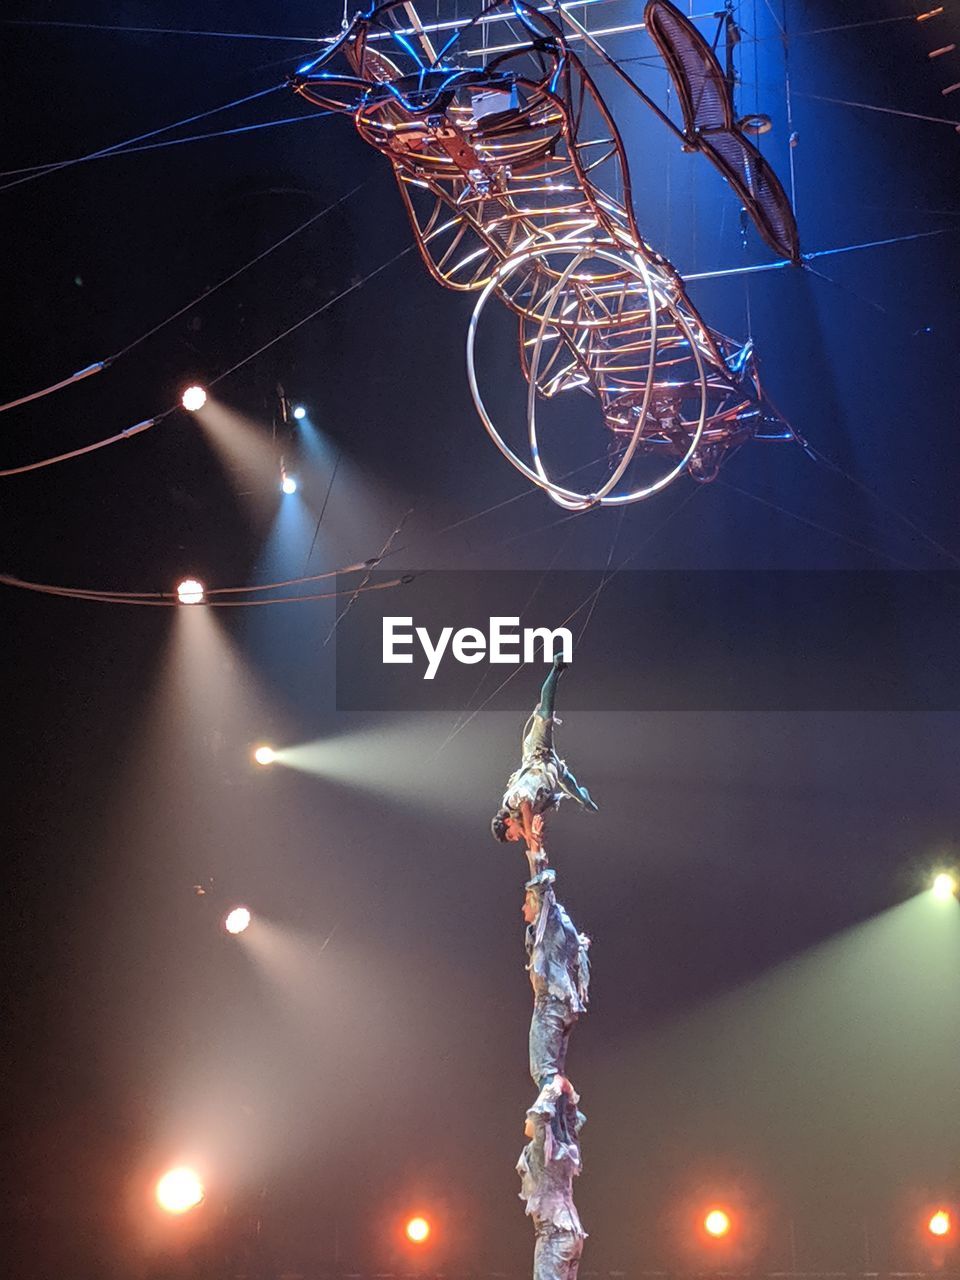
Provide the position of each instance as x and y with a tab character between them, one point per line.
418	1229
179	1190
939	1224
717	1224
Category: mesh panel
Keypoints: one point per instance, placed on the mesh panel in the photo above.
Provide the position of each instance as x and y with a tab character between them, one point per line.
704	90
758	186
710	126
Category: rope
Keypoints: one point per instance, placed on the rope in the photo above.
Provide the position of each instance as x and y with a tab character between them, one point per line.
87	448
57	386
166	600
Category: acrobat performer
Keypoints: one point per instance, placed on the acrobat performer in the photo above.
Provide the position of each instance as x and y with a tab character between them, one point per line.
542	780
559	969
547	1166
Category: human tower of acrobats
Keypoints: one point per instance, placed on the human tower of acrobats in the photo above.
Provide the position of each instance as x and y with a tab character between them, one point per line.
560	974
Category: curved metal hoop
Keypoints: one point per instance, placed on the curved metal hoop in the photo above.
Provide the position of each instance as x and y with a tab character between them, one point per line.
506	172
574	500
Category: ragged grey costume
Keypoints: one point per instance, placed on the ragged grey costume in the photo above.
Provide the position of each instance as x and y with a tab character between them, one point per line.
559	969
543	779
540	776
547	1166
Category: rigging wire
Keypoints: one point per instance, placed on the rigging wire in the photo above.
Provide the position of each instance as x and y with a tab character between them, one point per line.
522	614
365	581
323	508
814	524
162	599
88	372
201	297
582	605
160	417
357	284
177	142
819	253
822	460
255	35
140	137
603	581
792	136
87	448
81	592
157	31
870	302
870	106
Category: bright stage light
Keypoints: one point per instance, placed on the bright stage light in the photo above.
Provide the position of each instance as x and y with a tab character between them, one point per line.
237	920
717	1224
944	886
264	755
190	591
418	1229
193	398
179	1190
288	484
939	1224
299	412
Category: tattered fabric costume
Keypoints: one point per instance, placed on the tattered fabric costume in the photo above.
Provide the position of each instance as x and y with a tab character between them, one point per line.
559	969
547	1166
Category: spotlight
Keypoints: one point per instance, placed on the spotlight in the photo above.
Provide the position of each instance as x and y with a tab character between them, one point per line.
717	1224
944	886
179	1190
299	412
417	1229
237	920
190	591
288	484
264	755
939	1224
193	398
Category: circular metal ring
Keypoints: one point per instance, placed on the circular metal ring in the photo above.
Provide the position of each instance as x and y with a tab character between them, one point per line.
567	498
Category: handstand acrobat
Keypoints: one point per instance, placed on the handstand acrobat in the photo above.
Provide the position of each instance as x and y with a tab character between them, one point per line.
542	780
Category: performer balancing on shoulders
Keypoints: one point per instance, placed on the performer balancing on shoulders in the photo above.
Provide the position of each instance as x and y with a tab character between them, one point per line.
559	968
542	780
